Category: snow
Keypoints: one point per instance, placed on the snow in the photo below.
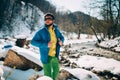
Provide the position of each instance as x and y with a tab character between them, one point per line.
3	52
109	44
99	63
76	41
82	74
44	78
23	3
1	71
117	49
3	43
96	63
113	44
20	36
72	38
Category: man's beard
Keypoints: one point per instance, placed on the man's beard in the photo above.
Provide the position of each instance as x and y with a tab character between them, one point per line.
49	25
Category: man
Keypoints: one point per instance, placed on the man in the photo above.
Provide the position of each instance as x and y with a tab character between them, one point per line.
49	39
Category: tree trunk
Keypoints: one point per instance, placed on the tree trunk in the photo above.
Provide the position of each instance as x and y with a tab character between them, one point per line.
95	34
79	31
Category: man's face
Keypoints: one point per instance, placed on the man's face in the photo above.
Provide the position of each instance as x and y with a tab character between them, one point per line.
48	20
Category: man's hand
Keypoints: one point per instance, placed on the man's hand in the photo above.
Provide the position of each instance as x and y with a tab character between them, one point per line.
50	44
60	42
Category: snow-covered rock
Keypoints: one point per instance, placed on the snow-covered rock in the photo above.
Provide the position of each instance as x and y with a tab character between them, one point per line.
99	64
83	74
113	44
44	78
13	59
117	49
109	44
30	55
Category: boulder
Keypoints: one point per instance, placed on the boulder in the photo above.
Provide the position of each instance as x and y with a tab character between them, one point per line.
20	42
77	74
13	59
64	75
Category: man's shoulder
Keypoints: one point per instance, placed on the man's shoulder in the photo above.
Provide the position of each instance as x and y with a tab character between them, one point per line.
41	29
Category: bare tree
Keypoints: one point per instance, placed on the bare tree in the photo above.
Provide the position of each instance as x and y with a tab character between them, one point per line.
110	11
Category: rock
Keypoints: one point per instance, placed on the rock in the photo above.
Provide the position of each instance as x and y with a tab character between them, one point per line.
13	59
74	65
27	43
66	64
34	77
84	48
91	49
114	78
64	75
74	56
2	59
20	42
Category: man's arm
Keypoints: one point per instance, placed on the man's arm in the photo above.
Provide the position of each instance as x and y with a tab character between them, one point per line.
61	37
36	41
61	40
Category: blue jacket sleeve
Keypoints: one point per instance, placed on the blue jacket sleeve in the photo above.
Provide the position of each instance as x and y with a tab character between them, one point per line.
36	41
61	37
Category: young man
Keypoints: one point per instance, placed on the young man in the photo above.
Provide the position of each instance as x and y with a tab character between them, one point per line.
49	39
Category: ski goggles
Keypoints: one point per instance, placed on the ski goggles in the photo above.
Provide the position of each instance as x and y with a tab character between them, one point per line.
48	19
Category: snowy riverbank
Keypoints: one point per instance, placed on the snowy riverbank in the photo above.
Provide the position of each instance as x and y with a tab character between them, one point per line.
113	44
86	66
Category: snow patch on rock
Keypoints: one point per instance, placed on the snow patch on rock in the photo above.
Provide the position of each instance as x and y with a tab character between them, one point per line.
44	78
83	74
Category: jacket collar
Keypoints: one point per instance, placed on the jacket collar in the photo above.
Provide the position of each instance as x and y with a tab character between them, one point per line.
54	25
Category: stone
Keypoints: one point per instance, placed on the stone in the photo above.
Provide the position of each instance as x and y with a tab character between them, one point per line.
65	75
20	42
13	59
34	77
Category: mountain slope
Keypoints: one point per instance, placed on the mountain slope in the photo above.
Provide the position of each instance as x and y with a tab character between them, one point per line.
21	18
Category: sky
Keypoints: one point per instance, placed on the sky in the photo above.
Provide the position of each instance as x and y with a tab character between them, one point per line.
76	5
